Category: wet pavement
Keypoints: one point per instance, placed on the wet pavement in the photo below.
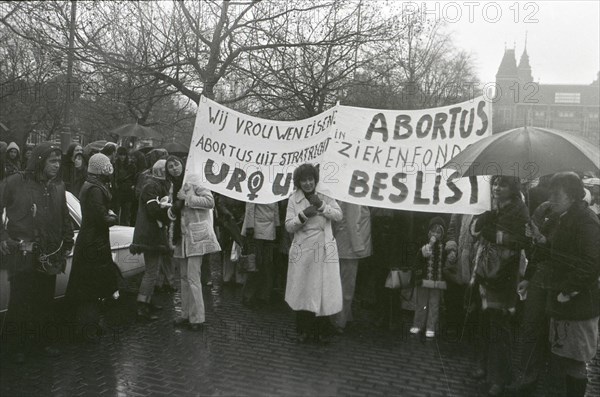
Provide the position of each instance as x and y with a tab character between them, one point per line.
249	352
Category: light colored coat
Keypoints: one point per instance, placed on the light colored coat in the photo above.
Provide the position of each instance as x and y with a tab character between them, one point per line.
353	233
197	231
313	280
263	218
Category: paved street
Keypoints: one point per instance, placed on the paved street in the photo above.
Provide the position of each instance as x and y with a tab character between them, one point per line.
248	352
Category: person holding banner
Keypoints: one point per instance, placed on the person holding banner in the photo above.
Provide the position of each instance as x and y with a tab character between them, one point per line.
314	288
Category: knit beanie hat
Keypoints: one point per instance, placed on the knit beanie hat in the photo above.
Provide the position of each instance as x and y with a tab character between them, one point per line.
159	170
99	164
13	145
439	222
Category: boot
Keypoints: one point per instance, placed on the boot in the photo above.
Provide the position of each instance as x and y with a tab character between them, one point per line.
143	312
575	386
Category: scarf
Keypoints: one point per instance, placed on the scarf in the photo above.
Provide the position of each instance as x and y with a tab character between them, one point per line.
177	183
102	182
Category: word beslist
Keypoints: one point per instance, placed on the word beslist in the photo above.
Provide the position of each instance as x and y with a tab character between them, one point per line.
362	184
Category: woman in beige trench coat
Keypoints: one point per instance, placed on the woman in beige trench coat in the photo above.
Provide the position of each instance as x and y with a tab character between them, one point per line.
314	288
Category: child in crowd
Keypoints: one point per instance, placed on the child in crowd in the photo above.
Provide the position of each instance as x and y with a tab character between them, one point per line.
429	279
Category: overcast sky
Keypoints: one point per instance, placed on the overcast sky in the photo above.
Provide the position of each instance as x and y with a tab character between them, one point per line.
563	36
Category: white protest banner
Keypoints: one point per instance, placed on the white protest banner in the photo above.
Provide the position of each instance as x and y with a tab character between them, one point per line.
393	158
252	159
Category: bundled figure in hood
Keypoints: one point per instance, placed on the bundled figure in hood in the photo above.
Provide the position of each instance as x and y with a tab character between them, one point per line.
35	243
94	276
73	169
12	162
26	156
125	172
150	235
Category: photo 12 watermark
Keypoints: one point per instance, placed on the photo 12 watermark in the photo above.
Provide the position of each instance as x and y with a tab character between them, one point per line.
471	11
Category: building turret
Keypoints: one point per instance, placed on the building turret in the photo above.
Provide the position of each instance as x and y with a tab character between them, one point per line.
524	68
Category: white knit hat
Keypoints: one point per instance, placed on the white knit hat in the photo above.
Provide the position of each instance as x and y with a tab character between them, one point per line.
99	164
13	145
159	169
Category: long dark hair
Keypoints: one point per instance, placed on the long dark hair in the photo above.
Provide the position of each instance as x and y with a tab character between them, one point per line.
177	183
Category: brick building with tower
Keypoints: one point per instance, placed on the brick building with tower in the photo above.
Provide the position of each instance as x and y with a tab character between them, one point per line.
520	101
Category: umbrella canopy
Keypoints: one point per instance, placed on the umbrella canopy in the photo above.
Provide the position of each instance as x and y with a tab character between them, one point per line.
176	147
527	152
146	149
93	147
136	130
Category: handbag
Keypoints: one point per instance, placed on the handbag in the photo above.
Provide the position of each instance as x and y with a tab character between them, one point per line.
236	252
491	263
247	261
399	279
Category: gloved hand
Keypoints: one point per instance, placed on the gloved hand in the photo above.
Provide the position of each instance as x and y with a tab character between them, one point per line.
315	201
309	212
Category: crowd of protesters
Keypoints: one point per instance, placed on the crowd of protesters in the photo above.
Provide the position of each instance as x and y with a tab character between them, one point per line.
317	253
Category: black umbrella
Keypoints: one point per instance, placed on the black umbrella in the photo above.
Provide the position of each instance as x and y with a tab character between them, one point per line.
94	147
136	130
527	151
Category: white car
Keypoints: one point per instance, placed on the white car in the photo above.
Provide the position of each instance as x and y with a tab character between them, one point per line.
120	239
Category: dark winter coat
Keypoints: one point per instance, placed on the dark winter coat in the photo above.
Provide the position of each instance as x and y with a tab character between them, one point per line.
537	266
497	267
72	177
36	209
93	273
229	217
150	234
391	234
574	264
11	167
125	179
